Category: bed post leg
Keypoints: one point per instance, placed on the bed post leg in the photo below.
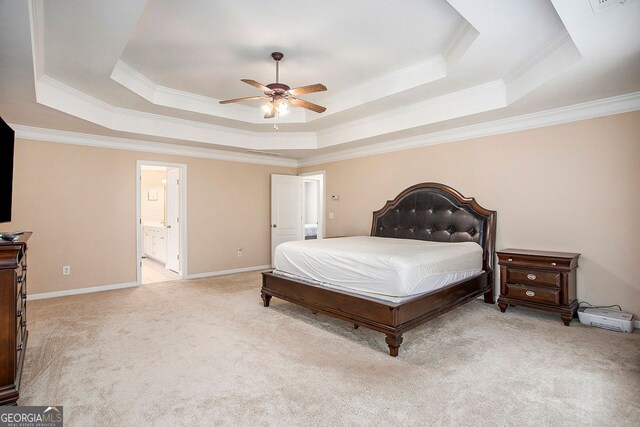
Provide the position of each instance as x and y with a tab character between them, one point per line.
489	297
394	342
265	299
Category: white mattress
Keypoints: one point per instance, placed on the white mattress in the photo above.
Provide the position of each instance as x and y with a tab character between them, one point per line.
384	268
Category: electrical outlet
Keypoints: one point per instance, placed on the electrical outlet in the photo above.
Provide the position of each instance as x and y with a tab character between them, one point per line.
240	253
66	270
332	215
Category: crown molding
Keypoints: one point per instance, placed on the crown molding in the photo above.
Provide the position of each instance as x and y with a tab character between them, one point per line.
407	78
463	39
558	55
411	77
587	110
54	94
583	111
554	44
473	100
36	18
139	84
75	138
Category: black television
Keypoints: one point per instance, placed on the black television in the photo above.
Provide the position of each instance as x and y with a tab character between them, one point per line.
7	136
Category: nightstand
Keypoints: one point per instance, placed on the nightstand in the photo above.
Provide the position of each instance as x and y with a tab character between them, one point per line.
538	279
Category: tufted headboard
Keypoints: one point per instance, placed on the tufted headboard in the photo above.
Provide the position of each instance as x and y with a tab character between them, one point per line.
436	212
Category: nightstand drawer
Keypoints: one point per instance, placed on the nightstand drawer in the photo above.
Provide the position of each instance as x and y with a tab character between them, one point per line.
533	293
528	277
551	262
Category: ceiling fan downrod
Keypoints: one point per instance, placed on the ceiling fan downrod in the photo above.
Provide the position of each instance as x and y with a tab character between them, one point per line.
277	56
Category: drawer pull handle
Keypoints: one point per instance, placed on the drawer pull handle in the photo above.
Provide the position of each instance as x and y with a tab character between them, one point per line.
554	264
531	276
510	259
530	293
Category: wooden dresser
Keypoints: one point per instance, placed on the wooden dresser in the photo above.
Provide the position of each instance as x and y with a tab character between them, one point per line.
13	316
540	280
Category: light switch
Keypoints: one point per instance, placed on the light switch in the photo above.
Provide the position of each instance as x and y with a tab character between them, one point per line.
332	215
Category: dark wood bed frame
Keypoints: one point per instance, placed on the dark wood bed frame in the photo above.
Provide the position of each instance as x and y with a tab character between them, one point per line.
427	211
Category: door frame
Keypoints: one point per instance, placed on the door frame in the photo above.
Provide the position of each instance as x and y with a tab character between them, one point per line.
170	188
183	214
323	209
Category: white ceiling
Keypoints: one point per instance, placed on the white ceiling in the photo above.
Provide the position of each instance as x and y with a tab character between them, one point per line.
155	70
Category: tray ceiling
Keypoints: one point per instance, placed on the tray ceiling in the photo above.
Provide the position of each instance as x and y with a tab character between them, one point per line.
155	70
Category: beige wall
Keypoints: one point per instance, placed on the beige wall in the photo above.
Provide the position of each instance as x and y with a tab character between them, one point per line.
572	187
80	203
152	210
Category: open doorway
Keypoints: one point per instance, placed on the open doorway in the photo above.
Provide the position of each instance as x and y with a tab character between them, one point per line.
297	208
313	207
161	221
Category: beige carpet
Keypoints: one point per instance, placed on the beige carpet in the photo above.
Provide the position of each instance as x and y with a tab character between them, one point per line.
205	352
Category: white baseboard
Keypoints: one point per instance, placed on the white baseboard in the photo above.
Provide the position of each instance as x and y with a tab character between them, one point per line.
79	291
225	272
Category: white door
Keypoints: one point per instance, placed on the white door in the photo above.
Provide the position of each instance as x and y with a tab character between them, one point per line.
286	209
173	220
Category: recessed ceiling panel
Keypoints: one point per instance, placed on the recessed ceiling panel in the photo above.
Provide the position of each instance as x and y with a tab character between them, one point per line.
222	42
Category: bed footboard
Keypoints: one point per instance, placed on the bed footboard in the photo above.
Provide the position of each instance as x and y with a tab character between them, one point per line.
391	319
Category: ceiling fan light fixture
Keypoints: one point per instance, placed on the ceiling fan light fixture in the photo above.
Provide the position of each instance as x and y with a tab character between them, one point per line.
268	107
283	108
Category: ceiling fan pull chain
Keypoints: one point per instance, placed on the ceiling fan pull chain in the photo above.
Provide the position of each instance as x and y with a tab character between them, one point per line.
277	71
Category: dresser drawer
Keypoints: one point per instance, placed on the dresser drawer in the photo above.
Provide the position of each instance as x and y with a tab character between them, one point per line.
13	287
533	293
529	277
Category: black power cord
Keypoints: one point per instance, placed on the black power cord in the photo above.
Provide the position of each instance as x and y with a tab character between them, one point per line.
598	306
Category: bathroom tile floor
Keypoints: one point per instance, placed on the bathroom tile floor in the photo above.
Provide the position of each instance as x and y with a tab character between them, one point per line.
154	272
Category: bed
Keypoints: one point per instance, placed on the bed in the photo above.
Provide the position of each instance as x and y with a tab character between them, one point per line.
421	222
310	231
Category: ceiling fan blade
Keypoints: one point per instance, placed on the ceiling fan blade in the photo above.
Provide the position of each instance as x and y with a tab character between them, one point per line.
256	84
306	104
307	89
250	98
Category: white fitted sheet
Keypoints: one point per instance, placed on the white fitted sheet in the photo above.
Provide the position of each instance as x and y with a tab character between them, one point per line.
385	268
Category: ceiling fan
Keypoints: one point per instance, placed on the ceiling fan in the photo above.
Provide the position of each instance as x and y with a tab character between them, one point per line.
280	95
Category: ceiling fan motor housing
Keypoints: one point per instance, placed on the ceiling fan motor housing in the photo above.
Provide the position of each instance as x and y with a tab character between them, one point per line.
278	88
